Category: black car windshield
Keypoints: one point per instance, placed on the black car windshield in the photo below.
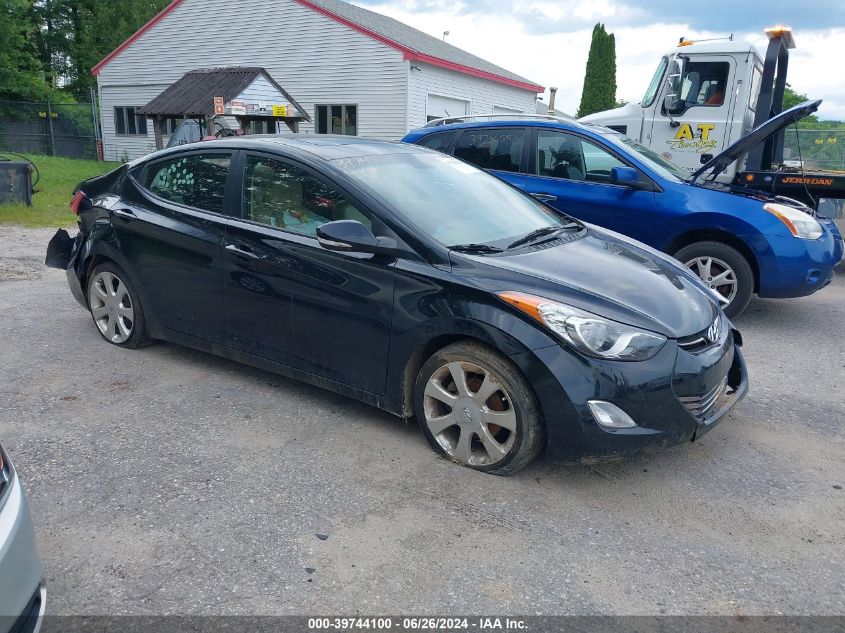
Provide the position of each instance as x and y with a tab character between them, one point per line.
652	159
449	200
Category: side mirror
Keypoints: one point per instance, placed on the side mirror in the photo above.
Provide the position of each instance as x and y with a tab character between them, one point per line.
625	176
674	80
351	236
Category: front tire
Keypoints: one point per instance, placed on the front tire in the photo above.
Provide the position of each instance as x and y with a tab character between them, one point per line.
115	307
723	269
476	409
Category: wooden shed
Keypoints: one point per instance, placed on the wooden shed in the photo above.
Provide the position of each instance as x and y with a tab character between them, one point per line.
248	94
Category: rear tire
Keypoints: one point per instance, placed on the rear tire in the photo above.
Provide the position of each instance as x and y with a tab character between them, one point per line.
722	268
115	307
475	408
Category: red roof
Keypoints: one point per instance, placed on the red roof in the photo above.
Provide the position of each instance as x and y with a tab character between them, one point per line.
460	61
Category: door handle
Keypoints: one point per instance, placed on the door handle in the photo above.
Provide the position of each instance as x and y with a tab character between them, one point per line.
544	197
127	214
240	252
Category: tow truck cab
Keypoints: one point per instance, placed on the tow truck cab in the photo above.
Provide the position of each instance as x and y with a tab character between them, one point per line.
705	96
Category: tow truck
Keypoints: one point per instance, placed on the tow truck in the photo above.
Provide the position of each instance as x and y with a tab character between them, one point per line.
709	95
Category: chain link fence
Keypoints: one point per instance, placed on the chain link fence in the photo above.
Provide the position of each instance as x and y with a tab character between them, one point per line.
819	149
56	129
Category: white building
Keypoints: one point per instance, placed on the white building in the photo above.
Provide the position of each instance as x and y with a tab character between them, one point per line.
352	70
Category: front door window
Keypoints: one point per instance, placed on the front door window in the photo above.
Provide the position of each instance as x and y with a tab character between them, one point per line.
562	155
288	197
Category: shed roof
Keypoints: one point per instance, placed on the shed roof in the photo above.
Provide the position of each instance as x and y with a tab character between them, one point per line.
193	94
415	45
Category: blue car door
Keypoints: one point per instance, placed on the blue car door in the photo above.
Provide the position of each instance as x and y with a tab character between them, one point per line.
501	151
572	173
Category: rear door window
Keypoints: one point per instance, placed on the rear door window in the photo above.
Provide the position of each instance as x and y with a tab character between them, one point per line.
497	149
194	180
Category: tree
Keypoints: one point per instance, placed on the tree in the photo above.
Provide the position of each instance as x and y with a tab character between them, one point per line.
599	92
50	46
95	28
21	73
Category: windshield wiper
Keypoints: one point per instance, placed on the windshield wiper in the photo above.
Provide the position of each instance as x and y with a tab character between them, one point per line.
542	232
476	248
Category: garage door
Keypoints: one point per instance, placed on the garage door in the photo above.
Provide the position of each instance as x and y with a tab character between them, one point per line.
503	110
441	107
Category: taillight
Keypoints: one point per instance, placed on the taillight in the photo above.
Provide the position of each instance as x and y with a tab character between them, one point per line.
77	199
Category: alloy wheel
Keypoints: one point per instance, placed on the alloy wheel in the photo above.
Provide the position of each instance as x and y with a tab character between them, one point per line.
111	306
470	414
717	275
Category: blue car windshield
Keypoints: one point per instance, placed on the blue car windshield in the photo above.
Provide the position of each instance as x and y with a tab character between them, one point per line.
652	159
448	199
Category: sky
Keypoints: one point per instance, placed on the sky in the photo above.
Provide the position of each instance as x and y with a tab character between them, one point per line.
547	41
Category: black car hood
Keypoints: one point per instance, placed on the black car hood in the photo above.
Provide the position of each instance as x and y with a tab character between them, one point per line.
720	162
605	274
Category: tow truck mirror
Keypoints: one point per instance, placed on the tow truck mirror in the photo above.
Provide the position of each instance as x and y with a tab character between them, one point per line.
672	101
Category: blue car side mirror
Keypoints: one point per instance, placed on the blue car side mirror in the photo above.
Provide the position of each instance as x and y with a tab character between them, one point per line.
625	176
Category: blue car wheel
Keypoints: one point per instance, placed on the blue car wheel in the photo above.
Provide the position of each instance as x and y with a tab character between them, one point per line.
724	270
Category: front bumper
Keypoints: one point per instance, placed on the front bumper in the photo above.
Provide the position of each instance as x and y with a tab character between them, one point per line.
792	267
22	592
665	396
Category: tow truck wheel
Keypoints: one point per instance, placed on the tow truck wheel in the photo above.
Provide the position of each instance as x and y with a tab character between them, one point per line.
724	270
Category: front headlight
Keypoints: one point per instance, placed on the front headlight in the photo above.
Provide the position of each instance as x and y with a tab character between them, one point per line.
588	333
799	223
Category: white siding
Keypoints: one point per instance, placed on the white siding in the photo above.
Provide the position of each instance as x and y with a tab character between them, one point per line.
317	60
482	94
262	90
126	147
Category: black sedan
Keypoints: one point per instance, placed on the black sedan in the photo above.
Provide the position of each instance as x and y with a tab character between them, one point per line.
411	281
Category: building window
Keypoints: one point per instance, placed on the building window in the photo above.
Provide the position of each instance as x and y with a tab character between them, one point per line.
127	123
337	119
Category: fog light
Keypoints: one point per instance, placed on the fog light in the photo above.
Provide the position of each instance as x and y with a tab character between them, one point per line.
609	415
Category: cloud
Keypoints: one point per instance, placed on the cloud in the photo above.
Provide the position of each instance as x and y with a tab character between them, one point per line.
548	42
722	16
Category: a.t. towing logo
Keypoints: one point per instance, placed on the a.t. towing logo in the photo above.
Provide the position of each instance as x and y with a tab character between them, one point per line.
696	141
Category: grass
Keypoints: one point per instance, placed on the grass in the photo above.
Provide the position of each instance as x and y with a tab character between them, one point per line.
59	177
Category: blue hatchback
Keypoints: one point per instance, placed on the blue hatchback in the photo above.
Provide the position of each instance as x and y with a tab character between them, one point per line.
738	241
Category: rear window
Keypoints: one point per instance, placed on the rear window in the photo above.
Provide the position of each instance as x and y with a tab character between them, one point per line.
439	141
500	150
196	180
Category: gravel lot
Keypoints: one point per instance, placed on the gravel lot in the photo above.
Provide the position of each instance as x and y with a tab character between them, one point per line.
169	481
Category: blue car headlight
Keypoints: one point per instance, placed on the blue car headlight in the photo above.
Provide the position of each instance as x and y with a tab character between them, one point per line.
800	224
588	333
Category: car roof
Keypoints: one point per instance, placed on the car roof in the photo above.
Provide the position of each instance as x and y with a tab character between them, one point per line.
325	146
571	126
